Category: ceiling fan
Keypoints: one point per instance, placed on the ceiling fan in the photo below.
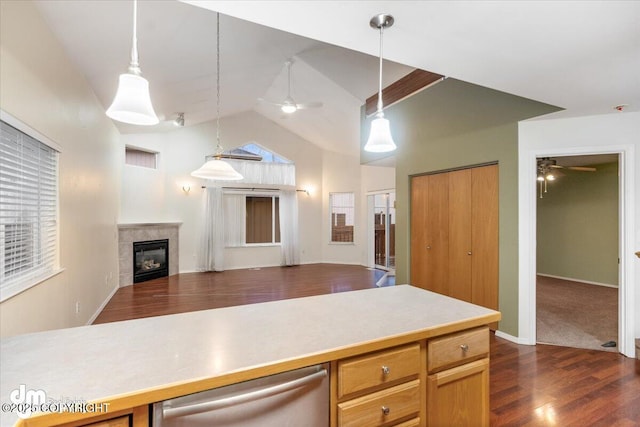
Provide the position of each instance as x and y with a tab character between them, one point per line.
290	106
549	163
548	171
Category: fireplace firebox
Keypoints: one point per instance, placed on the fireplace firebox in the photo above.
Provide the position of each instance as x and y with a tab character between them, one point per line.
150	260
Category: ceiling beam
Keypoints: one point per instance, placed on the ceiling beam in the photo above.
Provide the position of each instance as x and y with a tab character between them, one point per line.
406	86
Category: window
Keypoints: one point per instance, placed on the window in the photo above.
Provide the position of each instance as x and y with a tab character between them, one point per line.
142	158
251	219
262	219
342	206
29	214
255	152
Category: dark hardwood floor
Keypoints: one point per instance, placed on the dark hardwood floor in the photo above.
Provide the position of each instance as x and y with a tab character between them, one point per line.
546	385
201	291
539	385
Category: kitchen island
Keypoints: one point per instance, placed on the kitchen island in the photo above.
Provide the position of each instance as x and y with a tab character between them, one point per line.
131	364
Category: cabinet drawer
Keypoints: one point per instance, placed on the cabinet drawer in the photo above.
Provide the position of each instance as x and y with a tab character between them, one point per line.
456	349
415	422
382	407
371	370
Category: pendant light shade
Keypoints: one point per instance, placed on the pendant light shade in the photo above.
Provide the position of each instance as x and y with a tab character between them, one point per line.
380	139
132	103
217	168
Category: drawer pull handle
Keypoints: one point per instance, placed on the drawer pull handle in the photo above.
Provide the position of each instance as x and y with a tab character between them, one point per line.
386	410
464	347
386	370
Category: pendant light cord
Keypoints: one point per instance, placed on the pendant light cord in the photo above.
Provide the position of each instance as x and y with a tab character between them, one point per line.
218	146
289	79
379	112
134	66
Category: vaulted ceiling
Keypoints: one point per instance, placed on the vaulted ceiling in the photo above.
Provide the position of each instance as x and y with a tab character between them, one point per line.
583	56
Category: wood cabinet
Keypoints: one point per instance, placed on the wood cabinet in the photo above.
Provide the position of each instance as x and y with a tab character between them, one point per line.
132	417
381	388
113	422
454	234
458	380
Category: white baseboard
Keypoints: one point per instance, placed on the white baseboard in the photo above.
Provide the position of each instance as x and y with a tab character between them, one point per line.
246	267
608	285
511	338
103	305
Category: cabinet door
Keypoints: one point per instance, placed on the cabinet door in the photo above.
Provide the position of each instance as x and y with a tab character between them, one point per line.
484	237
459	396
460	234
418	232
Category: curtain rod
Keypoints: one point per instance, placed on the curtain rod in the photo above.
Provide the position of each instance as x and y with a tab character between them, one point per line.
256	189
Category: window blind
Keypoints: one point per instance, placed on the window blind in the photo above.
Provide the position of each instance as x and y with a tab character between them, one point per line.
28	210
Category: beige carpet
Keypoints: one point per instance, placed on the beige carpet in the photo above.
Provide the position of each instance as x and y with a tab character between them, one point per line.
574	314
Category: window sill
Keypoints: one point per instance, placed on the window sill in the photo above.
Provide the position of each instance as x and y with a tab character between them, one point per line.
343	243
19	287
255	245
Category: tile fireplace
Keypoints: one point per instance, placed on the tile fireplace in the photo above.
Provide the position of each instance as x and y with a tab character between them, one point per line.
148	233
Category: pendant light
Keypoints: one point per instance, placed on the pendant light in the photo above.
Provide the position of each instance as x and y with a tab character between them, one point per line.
380	139
132	103
217	168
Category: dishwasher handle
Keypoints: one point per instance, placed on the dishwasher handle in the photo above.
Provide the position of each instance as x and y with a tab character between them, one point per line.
241	398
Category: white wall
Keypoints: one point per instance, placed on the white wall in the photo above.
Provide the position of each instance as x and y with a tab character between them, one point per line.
40	86
618	132
157	196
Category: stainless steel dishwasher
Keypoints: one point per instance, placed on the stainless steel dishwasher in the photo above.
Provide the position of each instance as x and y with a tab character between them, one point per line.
298	398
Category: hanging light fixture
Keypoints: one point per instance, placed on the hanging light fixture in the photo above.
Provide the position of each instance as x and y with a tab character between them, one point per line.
544	176
216	168
380	139
132	103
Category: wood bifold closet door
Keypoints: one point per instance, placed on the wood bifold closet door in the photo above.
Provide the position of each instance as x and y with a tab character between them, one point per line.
454	234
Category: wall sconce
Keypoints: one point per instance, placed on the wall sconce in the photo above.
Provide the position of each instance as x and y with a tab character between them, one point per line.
309	189
186	188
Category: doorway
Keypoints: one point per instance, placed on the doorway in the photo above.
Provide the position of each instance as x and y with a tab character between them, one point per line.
382	212
577	240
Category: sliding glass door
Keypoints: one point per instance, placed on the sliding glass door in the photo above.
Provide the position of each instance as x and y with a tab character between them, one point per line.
383	212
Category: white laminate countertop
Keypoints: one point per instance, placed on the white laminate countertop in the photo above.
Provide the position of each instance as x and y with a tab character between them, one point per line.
98	363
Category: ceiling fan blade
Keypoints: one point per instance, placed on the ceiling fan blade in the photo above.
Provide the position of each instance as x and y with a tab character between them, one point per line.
277	104
556	166
582	168
306	105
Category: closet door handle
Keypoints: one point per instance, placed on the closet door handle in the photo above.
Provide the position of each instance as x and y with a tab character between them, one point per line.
428	246
469	253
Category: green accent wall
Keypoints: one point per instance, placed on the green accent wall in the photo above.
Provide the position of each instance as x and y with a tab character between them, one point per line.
455	124
577	226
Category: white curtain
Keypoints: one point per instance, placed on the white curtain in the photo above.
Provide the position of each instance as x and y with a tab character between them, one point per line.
234	219
289	241
211	253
